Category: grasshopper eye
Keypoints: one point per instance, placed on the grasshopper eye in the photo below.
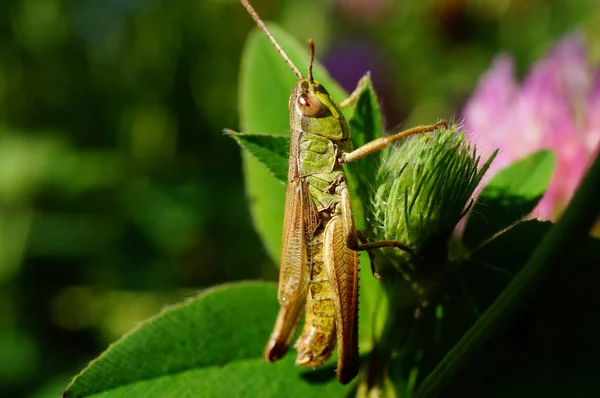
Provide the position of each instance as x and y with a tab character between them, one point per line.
310	105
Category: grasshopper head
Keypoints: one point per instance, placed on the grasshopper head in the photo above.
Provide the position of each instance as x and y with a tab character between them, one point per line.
315	112
311	107
311	99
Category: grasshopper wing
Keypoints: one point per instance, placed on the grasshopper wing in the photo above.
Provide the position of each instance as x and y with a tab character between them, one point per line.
299	224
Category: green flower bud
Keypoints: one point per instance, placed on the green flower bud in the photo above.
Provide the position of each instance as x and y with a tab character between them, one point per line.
423	189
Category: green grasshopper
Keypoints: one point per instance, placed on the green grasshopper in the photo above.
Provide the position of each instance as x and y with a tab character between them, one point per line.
320	244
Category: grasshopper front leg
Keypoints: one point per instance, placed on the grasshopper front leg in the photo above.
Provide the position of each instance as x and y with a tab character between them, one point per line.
380	143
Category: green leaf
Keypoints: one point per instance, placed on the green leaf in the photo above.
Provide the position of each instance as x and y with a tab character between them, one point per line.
552	257
266	83
490	268
269	149
365	125
511	249
366	121
492	265
509	196
210	346
535	361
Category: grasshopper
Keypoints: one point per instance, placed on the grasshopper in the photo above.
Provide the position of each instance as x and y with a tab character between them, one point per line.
320	244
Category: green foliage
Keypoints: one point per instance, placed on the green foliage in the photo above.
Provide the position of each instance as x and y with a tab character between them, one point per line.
511	195
511	246
552	274
487	271
365	125
119	192
210	345
269	149
116	184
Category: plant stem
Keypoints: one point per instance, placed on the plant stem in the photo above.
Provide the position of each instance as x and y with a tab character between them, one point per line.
397	326
552	252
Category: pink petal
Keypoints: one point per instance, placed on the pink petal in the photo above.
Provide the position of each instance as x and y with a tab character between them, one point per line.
560	83
486	112
573	72
492	97
557	107
592	124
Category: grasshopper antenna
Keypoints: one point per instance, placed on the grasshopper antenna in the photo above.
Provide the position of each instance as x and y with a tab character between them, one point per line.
264	29
311	59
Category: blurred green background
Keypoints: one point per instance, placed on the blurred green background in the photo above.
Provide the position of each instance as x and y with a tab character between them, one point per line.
119	193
